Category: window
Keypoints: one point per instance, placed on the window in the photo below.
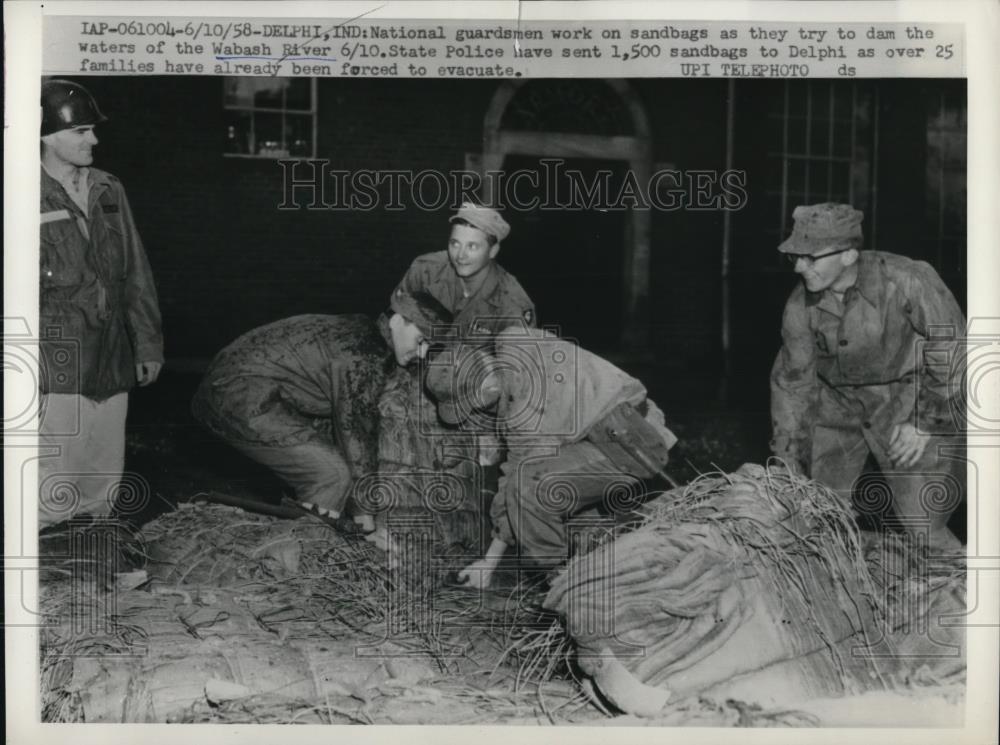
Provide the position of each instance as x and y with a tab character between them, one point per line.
821	148
945	229
269	117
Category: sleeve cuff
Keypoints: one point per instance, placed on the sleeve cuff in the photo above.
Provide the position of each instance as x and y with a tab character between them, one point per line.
937	415
149	353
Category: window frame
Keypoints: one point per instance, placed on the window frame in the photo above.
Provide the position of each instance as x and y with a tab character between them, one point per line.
312	113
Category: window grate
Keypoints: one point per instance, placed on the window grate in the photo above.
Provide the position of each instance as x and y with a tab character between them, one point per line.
827	147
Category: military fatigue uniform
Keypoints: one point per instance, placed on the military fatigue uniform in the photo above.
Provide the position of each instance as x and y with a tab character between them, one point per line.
499	302
99	317
556	464
301	396
847	373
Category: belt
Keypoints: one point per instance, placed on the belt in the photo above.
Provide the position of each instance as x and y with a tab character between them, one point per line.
905	378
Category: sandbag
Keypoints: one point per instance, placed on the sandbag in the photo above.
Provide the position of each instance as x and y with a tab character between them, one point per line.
727	579
160	685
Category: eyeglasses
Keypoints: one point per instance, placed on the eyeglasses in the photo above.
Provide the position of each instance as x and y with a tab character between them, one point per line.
793	259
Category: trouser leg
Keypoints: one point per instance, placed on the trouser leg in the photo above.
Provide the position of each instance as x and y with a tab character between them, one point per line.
87	442
315	469
542	494
838	459
925	494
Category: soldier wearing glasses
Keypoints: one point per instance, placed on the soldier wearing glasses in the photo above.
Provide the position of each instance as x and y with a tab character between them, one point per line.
858	373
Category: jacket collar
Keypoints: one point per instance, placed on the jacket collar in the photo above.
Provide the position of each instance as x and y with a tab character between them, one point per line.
99	181
487	290
869	285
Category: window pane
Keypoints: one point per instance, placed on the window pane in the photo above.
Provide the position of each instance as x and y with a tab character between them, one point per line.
774	174
238	132
820	96
862	109
268	93
842	140
797	99
775	134
797	136
237	92
818	186
796	175
819	137
841	180
269	136
299	134
774	206
842	101
298	94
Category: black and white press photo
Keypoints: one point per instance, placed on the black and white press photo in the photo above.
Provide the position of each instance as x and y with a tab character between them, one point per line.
402	371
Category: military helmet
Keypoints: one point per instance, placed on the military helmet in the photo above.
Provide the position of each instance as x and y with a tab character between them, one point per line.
66	105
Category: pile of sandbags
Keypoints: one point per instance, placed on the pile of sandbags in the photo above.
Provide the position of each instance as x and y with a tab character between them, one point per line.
229	604
199	649
752	585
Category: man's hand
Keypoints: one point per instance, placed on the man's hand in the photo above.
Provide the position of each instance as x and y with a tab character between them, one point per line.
906	445
478	574
147	372
490	449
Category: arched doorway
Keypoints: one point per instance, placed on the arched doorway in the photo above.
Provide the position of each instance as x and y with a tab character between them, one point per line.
589	266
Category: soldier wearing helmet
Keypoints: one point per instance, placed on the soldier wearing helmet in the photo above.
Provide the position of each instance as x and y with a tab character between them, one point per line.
98	312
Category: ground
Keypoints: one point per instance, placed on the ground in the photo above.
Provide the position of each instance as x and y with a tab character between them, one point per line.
716	431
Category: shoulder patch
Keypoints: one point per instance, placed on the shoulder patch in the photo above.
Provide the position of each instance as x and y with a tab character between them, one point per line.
529	316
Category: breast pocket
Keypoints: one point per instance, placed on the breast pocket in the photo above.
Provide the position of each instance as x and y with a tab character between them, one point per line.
112	242
60	253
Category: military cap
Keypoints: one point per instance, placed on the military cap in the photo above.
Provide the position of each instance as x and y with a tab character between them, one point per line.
819	226
463	382
421	309
486	219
